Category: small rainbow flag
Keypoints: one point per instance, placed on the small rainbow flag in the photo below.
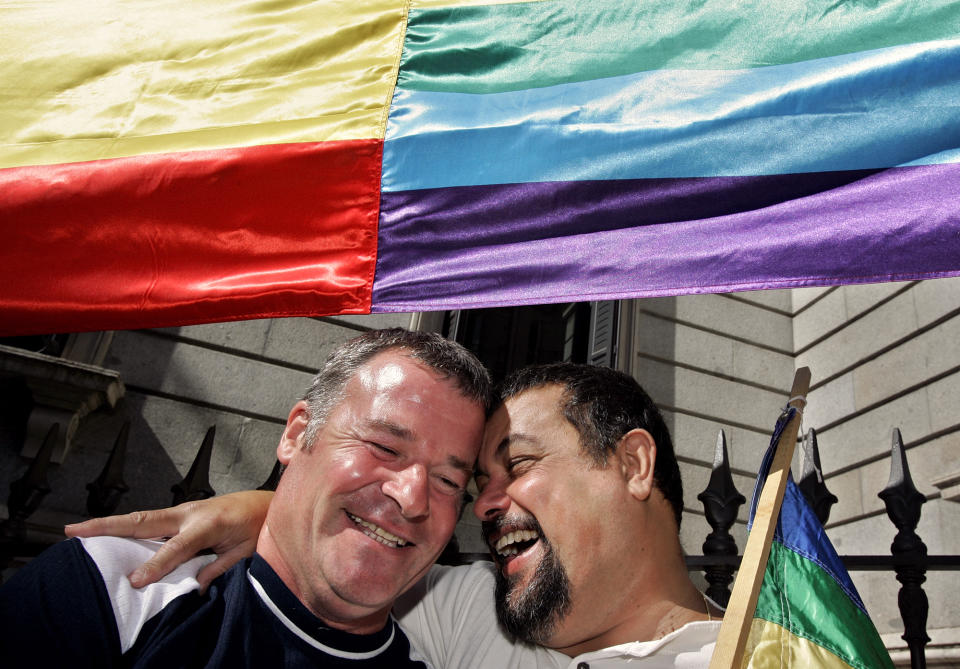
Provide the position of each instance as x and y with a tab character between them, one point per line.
808	613
166	162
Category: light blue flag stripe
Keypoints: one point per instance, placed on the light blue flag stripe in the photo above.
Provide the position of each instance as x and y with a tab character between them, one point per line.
883	108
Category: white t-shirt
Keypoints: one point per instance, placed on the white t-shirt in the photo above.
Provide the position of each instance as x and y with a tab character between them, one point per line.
451	618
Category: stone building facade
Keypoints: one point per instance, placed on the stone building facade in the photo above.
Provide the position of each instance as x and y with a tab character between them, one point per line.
882	356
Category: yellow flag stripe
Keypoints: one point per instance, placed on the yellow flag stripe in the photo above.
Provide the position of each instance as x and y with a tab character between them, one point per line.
108	79
770	646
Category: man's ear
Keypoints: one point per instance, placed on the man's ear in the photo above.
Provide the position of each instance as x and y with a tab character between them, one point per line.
294	434
638	453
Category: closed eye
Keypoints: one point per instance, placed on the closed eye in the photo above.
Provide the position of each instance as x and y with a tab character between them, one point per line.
518	461
449	485
383	450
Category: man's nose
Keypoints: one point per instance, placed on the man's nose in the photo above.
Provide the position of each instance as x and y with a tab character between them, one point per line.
409	488
492	501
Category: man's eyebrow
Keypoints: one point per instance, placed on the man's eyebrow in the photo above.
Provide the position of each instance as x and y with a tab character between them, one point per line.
504	445
397	430
513	438
462	465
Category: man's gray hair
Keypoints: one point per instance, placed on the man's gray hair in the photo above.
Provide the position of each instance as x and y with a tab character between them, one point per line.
449	359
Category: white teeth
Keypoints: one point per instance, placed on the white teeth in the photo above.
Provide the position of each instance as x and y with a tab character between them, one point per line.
378	533
503	543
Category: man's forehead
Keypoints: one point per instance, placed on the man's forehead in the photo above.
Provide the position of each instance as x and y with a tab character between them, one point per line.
522	416
397	371
393	380
386	370
537	401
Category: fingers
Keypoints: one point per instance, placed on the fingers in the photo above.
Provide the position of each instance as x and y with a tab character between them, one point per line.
229	524
174	552
223	562
139	525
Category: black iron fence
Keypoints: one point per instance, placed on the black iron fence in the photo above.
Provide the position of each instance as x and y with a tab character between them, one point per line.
908	558
19	541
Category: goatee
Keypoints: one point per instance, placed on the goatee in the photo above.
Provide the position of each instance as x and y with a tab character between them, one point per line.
533	613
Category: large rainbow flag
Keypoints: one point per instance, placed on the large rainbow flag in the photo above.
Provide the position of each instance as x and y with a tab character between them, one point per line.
808	612
166	162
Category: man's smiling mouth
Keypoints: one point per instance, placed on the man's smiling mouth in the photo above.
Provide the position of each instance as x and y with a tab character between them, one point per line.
516	542
377	533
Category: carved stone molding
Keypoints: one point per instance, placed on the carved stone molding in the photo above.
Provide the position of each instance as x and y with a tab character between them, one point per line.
949	486
64	391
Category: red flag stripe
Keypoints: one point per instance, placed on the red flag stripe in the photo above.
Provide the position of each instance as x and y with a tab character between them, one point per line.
192	237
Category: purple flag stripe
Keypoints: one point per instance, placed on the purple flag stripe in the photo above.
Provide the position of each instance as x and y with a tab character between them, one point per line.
482	246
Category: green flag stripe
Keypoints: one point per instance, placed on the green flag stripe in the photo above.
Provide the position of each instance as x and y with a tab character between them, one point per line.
504	47
803	599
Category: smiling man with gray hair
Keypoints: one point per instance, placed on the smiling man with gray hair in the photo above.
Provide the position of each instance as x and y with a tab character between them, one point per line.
378	455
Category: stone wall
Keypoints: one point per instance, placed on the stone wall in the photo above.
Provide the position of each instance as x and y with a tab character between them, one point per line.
886	356
881	356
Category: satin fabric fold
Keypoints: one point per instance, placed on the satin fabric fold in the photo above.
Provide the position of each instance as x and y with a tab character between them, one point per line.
172	239
773	647
805	602
567	151
516	46
172	163
601	240
96	80
167	162
857	111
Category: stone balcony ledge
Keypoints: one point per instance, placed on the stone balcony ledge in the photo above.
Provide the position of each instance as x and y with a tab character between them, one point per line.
64	391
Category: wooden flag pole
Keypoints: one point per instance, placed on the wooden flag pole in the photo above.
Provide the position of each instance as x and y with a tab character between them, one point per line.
732	640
